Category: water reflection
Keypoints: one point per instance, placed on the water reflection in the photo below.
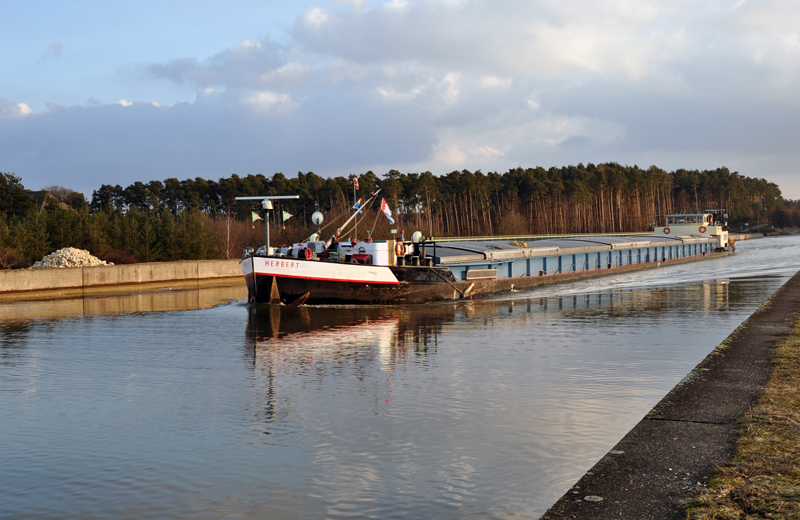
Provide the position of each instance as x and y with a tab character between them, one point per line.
160	301
315	343
389	331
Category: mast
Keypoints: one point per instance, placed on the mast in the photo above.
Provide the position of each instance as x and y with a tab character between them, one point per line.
346	222
266	205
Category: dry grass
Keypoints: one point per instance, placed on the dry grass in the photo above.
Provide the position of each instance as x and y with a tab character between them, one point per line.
763	480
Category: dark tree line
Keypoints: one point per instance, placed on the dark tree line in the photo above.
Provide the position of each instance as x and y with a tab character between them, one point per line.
199	218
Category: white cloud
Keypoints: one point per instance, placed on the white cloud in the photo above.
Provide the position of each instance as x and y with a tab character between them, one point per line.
452	88
123	102
450	155
8	108
267	100
249	44
484	153
314	18
395	5
494	81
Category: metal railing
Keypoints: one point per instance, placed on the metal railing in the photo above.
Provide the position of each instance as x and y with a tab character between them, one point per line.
533	238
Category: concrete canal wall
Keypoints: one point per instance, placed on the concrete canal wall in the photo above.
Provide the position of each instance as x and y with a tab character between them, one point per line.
23	284
654	470
744	236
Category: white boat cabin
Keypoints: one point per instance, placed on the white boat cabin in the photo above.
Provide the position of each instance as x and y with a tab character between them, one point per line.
687	224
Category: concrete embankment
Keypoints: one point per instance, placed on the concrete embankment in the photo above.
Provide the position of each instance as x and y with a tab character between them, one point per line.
654	469
738	237
29	284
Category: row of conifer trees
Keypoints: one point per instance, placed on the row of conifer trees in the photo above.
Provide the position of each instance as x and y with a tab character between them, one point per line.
199	218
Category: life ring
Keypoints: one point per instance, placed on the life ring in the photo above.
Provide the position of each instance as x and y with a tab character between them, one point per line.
307	253
702	229
399	248
666	231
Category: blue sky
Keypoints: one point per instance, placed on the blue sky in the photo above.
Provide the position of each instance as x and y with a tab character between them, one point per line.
114	92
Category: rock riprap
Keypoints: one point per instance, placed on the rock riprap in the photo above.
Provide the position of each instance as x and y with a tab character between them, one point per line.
69	257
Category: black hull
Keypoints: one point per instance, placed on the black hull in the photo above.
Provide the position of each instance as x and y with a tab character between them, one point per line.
414	287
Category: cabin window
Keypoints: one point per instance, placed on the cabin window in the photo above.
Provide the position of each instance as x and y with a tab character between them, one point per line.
688	219
527	267
510	269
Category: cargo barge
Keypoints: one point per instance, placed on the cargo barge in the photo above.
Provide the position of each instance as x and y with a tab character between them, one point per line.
345	271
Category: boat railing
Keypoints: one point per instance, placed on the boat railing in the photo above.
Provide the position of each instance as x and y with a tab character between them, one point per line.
525	238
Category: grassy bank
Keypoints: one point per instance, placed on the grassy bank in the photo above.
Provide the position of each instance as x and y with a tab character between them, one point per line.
763	479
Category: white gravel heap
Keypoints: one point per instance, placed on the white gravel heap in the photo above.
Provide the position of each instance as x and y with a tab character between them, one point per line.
69	257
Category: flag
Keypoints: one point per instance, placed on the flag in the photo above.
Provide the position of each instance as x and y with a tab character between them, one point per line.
387	211
287	216
355	182
357	206
255	216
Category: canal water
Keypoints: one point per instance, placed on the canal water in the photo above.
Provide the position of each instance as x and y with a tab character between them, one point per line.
192	404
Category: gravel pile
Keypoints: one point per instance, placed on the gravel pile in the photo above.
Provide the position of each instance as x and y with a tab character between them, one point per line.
69	257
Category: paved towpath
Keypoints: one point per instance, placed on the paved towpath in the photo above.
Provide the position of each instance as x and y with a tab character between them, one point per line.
653	470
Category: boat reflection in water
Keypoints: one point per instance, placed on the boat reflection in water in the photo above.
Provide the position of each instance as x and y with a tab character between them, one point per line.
391	331
316	339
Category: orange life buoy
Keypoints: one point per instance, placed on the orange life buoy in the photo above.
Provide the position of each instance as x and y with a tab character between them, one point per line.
399	248
666	231
308	254
702	229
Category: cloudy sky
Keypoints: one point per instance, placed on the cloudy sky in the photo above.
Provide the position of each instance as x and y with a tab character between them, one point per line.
96	92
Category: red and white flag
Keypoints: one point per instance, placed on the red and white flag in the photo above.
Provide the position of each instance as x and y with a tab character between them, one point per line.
355	182
387	211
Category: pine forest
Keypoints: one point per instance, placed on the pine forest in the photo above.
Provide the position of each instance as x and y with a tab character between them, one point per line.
200	219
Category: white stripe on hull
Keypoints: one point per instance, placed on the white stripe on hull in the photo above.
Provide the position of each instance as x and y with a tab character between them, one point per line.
317	270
